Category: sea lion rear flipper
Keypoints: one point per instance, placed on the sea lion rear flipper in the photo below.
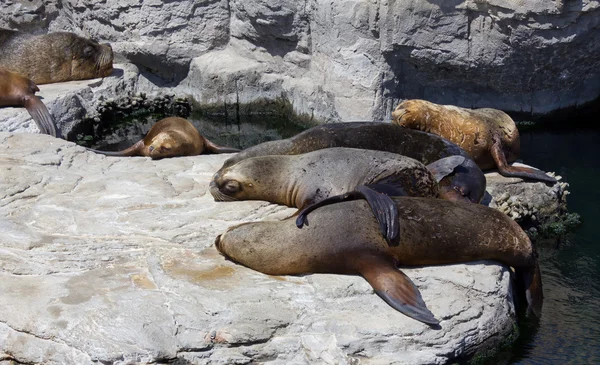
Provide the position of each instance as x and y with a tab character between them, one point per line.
532	281
213	148
395	288
516	171
445	166
383	207
41	116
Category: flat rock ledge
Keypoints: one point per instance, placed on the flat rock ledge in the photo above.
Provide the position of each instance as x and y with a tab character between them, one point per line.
111	261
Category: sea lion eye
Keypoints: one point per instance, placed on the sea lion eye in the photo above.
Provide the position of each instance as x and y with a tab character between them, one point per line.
231	186
88	51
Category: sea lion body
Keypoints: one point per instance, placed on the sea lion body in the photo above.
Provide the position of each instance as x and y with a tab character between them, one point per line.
171	137
54	57
345	238
490	136
16	90
423	147
299	180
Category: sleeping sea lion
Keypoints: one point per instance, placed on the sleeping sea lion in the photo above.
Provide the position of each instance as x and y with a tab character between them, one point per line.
171	137
16	90
490	136
54	57
345	239
301	180
426	148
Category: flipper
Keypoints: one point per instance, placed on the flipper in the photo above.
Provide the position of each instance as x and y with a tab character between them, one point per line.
213	148
40	115
445	166
395	288
383	207
516	171
531	279
131	151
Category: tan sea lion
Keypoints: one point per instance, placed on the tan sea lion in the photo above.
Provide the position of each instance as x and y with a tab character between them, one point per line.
344	239
468	180
16	90
300	180
54	57
490	136
171	137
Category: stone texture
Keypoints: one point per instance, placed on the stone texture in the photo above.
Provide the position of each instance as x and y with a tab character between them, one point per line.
111	260
346	60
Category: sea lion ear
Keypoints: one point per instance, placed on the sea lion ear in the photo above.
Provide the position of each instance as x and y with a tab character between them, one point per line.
445	166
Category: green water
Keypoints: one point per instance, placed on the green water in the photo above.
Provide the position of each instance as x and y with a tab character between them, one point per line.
569	330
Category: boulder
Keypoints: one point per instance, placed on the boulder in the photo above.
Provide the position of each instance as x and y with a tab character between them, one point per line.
111	260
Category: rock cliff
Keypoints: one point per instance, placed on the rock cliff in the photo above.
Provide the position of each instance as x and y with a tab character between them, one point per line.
346	60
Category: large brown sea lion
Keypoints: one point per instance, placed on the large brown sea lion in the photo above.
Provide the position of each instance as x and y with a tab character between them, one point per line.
171	137
344	238
16	90
54	57
301	180
467	180
490	136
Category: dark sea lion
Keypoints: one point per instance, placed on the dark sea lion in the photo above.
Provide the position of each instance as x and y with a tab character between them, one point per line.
54	57
16	90
301	180
171	137
423	147
345	239
490	136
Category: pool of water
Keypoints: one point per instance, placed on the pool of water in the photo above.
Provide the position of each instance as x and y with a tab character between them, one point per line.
569	330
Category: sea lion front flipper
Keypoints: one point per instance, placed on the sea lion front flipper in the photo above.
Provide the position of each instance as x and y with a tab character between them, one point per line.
383	207
41	116
516	171
395	288
445	166
134	150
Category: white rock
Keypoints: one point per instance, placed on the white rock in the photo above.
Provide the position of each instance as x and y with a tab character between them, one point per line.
112	260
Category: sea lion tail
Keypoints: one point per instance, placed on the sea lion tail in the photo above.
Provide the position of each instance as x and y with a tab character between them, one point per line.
445	166
395	288
213	148
383	207
131	151
531	279
516	171
41	116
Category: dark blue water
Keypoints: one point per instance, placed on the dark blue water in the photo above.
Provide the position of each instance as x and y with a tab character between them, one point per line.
569	330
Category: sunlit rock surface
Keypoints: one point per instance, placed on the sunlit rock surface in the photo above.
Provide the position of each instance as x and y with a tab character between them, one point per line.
112	260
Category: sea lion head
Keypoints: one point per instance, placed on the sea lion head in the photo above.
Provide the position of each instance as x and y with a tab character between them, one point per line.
164	145
242	180
89	59
459	179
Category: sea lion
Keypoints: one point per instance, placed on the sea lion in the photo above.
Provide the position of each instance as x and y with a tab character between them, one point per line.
427	148
344	239
54	57
171	137
301	180
490	136
16	90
